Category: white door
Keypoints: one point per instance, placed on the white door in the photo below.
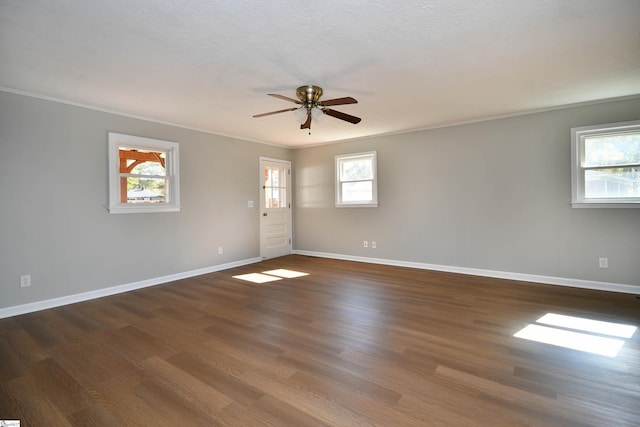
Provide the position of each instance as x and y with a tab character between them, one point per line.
275	208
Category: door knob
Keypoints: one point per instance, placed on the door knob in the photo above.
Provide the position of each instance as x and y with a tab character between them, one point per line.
264	214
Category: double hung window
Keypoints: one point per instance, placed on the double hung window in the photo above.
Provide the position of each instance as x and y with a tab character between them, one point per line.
143	175
606	165
356	180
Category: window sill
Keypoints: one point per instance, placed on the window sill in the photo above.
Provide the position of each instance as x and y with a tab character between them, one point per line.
605	205
357	205
142	209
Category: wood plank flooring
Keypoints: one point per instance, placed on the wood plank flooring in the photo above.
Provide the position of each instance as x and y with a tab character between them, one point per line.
351	344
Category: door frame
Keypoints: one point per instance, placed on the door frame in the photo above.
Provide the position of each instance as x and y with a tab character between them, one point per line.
261	200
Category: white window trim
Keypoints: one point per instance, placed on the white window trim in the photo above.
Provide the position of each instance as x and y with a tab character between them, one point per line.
117	140
338	187
578	199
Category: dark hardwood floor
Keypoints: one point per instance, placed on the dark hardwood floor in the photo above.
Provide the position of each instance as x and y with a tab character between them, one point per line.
350	344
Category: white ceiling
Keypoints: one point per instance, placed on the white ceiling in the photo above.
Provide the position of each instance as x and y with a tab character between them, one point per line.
411	64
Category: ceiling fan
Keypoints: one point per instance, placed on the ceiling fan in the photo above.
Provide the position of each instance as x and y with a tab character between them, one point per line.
312	107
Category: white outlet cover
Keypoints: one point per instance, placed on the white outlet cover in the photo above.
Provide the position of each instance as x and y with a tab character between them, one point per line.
25	281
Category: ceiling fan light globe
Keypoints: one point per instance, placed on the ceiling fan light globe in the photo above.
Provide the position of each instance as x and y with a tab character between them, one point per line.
301	115
316	114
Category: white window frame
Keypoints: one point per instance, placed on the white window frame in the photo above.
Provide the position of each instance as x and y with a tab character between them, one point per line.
118	140
578	135
357	204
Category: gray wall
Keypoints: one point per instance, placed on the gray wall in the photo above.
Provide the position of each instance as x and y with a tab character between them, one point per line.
493	195
54	223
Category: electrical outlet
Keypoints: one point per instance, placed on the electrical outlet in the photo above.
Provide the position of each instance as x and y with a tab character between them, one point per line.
603	262
25	281
365	244
250	204
220	250
373	244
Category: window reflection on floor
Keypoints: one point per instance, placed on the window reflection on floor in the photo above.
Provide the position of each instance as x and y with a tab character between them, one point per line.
588	335
257	278
288	274
270	276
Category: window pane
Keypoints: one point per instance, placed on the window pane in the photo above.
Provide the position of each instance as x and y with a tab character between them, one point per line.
146	190
275	197
611	150
149	168
142	162
356	169
612	183
274	176
275	179
357	191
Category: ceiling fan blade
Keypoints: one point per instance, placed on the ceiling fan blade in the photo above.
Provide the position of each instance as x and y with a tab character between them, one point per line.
276	112
307	124
286	98
339	101
342	116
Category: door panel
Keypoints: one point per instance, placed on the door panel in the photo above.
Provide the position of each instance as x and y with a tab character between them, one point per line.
275	208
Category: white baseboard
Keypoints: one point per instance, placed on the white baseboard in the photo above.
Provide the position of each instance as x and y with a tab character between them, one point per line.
85	296
549	280
99	293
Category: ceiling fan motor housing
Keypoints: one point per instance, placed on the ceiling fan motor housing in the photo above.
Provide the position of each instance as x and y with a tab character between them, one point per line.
309	95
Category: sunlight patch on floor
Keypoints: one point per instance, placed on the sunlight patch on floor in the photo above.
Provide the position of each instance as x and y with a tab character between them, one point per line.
574	340
588	325
271	275
257	278
592	336
288	274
